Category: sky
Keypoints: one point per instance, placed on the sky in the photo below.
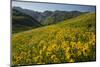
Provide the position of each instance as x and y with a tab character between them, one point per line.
41	7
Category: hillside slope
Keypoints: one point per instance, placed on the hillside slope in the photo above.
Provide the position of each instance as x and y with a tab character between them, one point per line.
72	40
21	21
86	22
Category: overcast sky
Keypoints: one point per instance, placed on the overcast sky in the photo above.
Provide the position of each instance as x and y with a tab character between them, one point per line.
52	7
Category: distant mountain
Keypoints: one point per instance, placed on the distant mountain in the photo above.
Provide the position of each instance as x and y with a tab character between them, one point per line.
34	14
50	17
22	21
25	19
58	16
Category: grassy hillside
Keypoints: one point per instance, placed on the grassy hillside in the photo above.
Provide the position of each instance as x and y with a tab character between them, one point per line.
72	40
85	22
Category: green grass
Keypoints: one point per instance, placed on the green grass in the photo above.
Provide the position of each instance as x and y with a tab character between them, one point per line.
72	40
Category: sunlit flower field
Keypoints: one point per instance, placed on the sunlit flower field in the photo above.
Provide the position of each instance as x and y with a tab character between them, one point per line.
59	43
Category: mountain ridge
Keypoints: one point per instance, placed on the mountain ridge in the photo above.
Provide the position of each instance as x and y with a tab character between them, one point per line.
49	17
